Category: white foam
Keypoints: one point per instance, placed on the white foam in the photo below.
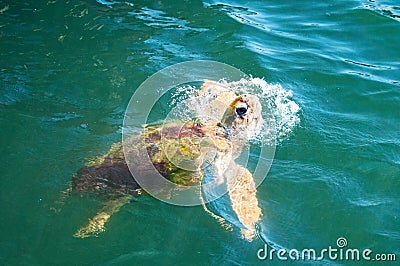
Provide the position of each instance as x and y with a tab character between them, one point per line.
280	112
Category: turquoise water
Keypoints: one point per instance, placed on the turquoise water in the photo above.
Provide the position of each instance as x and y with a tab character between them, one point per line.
69	68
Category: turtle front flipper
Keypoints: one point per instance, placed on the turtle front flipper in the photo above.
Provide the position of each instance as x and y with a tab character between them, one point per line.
96	225
242	193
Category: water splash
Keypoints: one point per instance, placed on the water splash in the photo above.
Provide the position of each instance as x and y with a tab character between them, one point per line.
280	112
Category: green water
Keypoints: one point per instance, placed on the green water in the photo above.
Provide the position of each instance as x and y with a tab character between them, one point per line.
69	68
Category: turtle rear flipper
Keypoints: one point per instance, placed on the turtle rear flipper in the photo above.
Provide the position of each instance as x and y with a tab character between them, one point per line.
62	198
96	224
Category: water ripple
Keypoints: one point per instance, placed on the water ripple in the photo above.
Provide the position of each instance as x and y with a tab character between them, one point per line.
366	64
382	9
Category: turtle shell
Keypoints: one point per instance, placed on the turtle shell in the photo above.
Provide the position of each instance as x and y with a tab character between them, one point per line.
110	174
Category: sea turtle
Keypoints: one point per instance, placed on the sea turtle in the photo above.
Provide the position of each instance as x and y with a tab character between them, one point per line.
240	116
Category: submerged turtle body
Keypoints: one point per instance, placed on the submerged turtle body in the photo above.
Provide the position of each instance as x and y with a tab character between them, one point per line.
107	174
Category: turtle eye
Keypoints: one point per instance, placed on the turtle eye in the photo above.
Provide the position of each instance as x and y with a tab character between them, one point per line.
241	110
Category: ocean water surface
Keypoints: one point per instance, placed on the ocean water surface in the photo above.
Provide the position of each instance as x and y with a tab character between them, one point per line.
69	68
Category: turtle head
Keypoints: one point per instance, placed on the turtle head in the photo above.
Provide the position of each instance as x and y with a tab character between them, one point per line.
244	115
